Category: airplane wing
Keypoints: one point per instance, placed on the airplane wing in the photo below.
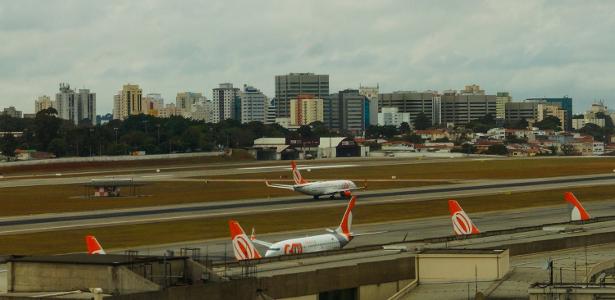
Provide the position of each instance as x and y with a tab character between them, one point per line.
280	186
368	233
262	243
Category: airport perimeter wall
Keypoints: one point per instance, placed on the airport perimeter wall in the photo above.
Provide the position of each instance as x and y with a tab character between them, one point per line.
371	280
109	158
560	243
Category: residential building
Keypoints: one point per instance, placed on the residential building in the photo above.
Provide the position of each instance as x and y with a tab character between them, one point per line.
200	111
372	94
472	89
185	100
169	110
501	98
254	105
305	110
76	106
390	116
292	85
565	103
580	123
414	103
226	103
461	108
128	102
42	103
271	113
11	111
516	111
153	103
545	110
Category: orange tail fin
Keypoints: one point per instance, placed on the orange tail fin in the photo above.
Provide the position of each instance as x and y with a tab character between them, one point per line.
242	245
577	211
296	174
93	245
346	224
462	224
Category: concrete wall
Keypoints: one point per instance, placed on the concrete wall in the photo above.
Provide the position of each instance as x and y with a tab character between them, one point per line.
433	268
109	158
381	291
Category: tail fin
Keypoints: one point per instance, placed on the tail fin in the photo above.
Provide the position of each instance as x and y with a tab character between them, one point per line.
296	174
577	211
242	245
93	245
462	224
346	224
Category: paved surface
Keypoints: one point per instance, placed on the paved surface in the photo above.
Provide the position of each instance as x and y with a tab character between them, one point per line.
35	223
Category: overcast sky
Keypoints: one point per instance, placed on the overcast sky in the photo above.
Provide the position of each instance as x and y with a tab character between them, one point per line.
530	48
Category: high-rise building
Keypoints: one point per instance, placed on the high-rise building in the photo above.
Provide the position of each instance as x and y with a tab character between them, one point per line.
292	85
352	113
254	105
390	116
545	110
372	93
12	112
153	103
226	103
76	106
414	103
128	102
517	111
42	103
501	99
565	103
271	113
472	89
461	108
185	100
305	110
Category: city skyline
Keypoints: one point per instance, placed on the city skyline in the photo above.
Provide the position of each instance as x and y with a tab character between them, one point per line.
530	49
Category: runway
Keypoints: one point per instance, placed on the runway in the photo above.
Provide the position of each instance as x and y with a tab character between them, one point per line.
46	222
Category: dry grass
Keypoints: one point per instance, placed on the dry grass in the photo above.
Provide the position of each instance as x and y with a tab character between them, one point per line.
67	198
178	231
462	169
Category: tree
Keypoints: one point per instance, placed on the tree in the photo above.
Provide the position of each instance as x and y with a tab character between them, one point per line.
9	145
549	123
568	150
482	124
518	124
413	138
58	147
306	132
46	126
421	122
404	128
497	149
608	121
594	130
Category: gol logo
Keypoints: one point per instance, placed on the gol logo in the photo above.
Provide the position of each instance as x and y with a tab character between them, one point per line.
243	248
461	223
295	248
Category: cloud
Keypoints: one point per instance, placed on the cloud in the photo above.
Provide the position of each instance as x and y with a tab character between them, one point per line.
530	48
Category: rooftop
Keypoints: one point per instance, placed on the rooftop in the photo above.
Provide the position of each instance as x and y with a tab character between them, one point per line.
87	259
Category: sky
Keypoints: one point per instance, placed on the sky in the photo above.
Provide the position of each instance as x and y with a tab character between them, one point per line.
529	48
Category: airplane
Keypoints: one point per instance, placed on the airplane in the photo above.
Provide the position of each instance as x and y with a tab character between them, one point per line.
93	245
462	224
577	211
244	249
317	188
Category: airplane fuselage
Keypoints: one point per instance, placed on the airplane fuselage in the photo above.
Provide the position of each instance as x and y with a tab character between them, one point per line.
321	242
329	187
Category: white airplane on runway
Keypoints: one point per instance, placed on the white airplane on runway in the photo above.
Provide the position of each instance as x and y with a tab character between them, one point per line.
577	211
317	188
462	224
335	239
93	245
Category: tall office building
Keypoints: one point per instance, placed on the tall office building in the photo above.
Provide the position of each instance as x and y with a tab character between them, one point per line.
128	102
290	86
414	103
390	116
185	100
254	105
516	111
42	103
371	92
565	103
461	108
75	106
305	110
545	110
226	103
501	98
201	111
352	114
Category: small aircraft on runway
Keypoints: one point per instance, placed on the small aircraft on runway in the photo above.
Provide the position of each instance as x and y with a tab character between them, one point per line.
317	188
577	211
244	249
93	245
462	224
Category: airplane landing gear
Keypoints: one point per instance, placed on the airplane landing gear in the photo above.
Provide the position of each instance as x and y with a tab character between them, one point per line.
332	196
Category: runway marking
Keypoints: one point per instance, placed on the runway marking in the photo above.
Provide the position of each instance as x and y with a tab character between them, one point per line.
156	176
301	167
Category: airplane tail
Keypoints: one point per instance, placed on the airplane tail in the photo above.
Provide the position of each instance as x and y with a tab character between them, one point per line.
462	224
296	174
93	245
242	245
577	211
346	224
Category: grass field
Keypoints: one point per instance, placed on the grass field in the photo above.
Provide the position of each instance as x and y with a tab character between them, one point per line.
67	198
462	169
198	229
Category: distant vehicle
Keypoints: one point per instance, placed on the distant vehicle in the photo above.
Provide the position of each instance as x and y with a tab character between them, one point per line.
318	188
93	245
577	211
462	224
243	246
